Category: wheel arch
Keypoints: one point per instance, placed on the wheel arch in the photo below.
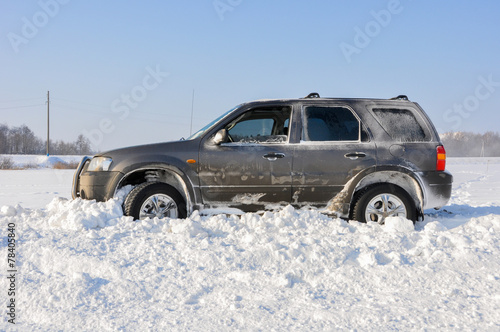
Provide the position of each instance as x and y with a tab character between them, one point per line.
343	203
162	173
398	176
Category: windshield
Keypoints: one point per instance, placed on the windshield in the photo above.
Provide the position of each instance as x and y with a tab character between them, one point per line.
208	126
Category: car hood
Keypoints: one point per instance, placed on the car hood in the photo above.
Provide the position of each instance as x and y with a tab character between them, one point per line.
147	149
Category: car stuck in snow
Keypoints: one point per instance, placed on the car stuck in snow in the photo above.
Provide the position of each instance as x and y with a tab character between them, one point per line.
362	159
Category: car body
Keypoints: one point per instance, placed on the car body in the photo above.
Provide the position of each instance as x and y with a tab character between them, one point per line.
357	158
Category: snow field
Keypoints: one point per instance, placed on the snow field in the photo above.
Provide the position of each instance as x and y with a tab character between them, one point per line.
34	188
40	161
85	266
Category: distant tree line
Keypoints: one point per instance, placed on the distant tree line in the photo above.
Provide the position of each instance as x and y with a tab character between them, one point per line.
22	140
467	144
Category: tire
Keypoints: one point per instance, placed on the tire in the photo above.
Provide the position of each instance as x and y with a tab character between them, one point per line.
154	199
375	203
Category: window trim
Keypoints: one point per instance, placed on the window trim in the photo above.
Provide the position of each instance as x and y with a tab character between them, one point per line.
263	108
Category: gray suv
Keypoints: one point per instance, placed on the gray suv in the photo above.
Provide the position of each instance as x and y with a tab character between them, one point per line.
362	159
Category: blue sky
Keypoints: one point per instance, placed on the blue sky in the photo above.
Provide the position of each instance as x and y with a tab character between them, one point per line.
123	73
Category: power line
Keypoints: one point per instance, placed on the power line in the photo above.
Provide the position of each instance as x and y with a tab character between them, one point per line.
18	100
108	108
24	106
79	102
76	109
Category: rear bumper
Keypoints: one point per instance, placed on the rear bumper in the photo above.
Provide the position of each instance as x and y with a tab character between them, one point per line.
437	186
94	185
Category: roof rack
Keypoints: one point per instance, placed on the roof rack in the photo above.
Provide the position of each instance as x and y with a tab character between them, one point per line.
312	95
400	97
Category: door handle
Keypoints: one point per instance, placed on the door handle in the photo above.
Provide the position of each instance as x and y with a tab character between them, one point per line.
273	156
355	155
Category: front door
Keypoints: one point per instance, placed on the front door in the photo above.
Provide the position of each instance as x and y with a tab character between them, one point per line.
252	169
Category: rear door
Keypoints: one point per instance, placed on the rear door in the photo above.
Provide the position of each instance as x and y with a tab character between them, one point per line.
334	147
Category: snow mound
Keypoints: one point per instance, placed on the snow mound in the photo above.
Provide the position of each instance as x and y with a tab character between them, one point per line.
48	161
8	211
290	269
81	214
398	224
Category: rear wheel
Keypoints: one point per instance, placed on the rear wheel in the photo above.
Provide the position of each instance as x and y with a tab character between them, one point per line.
378	202
154	199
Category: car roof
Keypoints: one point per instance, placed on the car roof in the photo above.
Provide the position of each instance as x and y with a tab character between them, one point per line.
316	97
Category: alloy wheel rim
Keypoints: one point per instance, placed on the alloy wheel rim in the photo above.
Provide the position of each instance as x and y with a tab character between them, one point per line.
160	206
384	205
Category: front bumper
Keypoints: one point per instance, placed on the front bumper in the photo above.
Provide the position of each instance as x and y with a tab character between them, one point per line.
94	185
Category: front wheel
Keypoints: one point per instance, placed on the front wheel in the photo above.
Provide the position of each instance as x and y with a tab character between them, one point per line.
154	199
378	202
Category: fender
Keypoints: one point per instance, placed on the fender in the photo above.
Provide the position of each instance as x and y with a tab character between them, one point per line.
183	182
397	175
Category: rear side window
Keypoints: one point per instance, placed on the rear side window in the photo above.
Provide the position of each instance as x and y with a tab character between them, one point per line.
330	124
401	124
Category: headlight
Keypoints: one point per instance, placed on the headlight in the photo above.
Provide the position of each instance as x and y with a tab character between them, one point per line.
99	164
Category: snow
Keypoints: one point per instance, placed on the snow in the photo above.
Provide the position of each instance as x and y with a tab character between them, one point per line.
82	265
34	188
39	161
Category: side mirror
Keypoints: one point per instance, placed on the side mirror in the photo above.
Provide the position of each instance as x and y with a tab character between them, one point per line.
220	137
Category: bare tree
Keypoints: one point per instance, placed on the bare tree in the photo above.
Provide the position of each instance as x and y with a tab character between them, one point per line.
82	145
4	136
22	140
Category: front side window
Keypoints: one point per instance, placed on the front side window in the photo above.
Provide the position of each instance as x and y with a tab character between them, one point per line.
252	128
263	125
330	124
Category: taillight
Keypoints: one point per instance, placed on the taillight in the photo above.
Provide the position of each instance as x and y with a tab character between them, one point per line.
441	158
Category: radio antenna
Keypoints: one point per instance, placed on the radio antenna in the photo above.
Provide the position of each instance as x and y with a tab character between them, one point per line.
192	111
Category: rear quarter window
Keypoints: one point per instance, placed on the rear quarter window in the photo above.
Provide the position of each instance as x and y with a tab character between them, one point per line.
403	125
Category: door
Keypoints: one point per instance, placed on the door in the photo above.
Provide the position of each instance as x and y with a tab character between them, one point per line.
333	148
252	168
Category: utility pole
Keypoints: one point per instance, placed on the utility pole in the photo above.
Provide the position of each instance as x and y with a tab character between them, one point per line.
48	127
